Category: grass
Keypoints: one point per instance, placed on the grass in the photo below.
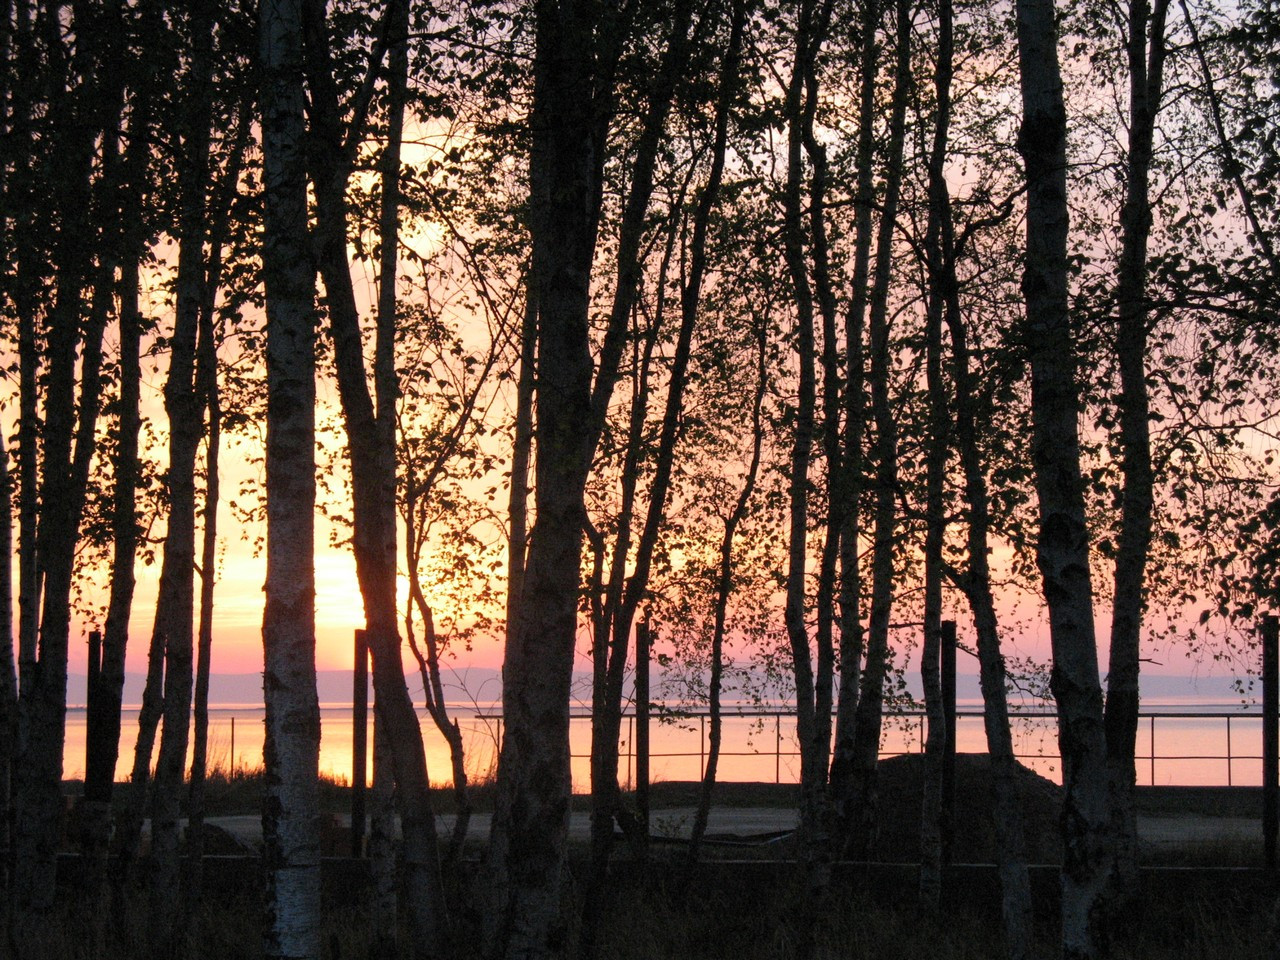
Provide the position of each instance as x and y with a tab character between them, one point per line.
721	917
758	911
856	928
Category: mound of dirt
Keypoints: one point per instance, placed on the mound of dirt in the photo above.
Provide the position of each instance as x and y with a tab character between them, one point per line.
901	800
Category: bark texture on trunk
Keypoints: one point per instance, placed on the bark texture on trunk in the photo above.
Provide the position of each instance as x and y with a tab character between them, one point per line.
625	594
184	403
1063	546
724	588
290	817
382	845
573	71
8	664
371	439
804	246
932	852
103	742
67	445
613	622
1015	882
849	478
1146	53
859	812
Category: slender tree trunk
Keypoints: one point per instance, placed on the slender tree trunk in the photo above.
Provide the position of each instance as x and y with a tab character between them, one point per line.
28	509
1063	548
1015	883
1146	72
128	830
384	924
568	126
68	448
204	650
825	300
102	751
606	725
852	639
370	424
812	722
724	588
433	689
860	819
932	852
614	626
813	681
8	669
521	454
290	817
386	737
931	839
28	266
184	402
206	385
29	262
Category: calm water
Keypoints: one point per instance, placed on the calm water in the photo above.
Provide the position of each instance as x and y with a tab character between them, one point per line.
1191	749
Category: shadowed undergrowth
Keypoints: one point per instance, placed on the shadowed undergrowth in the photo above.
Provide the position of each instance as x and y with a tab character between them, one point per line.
716	919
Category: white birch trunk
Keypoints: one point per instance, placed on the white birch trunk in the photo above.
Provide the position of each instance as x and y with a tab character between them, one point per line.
1063	547
290	819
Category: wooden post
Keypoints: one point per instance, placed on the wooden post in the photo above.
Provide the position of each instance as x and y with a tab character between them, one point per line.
1270	735
93	750
643	641
95	663
359	741
948	655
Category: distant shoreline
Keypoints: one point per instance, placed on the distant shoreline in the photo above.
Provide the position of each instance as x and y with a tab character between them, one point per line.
480	688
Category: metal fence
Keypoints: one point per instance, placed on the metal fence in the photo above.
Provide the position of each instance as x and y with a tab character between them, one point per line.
1219	747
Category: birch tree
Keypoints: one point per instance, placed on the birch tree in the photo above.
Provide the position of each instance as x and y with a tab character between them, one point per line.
813	682
290	818
1063	548
859	809
61	378
103	730
184	403
1145	55
371	423
577	51
623	595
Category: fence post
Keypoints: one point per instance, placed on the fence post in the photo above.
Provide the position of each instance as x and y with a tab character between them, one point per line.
95	665
948	671
1153	749
1229	751
359	741
643	641
94	752
1270	735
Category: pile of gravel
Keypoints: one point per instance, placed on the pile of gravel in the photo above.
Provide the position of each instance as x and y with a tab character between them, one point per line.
901	799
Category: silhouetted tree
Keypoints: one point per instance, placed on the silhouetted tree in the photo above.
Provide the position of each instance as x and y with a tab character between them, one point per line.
290	815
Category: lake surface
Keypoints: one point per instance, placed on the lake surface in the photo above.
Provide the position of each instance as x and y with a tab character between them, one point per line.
1196	742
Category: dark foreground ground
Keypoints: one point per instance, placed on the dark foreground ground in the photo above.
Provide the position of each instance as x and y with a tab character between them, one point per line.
1207	899
736	910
